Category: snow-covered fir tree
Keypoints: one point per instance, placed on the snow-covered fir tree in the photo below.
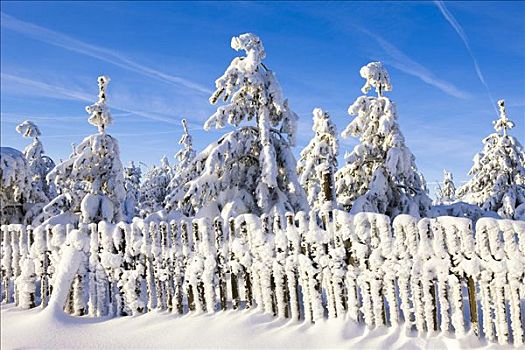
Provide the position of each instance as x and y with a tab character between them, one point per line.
498	173
186	154
132	177
15	185
318	162
252	168
380	174
40	165
154	188
447	190
91	181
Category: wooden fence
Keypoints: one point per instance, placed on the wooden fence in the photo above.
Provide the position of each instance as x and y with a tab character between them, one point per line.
432	274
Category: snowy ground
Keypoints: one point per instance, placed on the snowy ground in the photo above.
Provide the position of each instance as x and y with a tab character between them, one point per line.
231	329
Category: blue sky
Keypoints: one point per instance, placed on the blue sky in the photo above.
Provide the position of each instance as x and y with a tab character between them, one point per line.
448	63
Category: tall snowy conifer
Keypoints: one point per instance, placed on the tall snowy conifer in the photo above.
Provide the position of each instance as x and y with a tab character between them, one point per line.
252	168
318	162
498	173
91	181
40	165
380	174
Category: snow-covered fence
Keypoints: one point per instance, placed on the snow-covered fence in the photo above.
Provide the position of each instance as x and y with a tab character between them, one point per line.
435	274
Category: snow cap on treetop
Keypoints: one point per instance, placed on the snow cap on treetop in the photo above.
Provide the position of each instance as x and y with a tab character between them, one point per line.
99	113
28	129
503	123
376	76
250	43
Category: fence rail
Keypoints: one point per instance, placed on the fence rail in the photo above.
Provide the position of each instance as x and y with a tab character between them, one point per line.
433	274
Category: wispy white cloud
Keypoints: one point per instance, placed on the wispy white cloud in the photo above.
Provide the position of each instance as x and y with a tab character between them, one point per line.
69	43
401	61
45	89
459	30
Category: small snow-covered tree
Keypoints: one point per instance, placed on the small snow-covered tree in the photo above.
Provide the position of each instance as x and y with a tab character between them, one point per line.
91	181
40	165
447	190
154	188
132	177
318	162
380	174
186	154
252	168
498	173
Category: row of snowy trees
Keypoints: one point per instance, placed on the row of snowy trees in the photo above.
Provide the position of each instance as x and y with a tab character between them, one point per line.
252	169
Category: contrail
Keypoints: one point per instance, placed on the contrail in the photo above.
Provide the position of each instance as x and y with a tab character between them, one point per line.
406	64
69	43
459	30
54	91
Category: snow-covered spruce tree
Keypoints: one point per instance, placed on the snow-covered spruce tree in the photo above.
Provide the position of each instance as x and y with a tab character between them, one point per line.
39	164
184	158
318	162
380	174
91	181
154	188
252	168
15	185
446	193
186	154
132	177
498	173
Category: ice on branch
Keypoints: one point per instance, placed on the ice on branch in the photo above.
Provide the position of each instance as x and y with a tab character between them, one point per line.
376	77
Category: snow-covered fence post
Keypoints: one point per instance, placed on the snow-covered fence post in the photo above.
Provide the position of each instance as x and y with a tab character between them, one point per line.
186	251
375	262
389	269
405	245
233	267
15	247
279	274
362	252
245	262
156	263
25	282
178	262
441	265
79	290
492	256
168	247
221	261
516	270
7	269
426	275
209	254
161	264
93	266
454	291
44	280
200	302
338	266
471	268
267	233
150	264
291	267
